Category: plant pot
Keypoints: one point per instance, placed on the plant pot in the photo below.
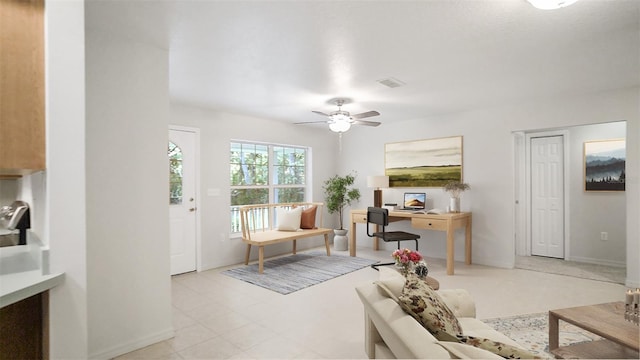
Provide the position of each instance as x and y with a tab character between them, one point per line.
340	240
454	205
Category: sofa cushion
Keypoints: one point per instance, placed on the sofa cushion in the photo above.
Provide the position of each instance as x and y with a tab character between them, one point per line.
424	304
391	281
504	350
477	328
465	351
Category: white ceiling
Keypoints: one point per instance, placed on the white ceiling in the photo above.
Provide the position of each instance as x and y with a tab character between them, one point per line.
282	59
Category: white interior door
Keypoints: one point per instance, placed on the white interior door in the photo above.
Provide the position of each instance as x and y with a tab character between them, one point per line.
182	200
547	196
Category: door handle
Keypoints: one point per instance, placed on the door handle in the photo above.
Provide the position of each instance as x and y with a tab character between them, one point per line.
192	209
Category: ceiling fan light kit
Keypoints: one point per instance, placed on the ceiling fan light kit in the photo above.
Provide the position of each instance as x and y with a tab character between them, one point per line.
340	126
341	121
550	4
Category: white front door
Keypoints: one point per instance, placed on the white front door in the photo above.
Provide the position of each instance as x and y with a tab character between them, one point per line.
547	196
182	200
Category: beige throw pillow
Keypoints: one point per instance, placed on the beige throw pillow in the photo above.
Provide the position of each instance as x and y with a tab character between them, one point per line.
288	220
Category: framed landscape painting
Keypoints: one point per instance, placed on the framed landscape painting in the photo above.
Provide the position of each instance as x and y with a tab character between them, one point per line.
424	163
604	165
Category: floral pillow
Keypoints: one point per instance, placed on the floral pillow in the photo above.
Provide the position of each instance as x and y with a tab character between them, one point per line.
423	303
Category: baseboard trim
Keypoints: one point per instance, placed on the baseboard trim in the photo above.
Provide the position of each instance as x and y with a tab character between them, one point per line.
620	264
133	345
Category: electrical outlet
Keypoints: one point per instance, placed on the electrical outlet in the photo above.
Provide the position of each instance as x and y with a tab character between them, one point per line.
604	236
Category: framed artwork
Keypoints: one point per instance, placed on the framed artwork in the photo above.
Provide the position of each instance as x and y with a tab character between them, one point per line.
604	165
424	163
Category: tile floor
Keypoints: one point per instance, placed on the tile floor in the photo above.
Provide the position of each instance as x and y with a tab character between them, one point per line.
218	317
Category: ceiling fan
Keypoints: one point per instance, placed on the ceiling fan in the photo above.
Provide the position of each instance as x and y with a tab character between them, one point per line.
341	121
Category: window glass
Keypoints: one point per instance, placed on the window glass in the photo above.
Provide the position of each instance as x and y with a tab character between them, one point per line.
264	173
249	164
175	174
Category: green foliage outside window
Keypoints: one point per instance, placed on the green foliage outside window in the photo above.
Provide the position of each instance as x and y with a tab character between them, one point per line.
261	174
175	174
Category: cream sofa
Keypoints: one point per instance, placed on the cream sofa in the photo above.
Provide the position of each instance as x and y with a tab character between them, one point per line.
391	333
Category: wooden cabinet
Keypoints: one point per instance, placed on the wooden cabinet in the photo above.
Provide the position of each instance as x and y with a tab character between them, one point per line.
22	87
24	330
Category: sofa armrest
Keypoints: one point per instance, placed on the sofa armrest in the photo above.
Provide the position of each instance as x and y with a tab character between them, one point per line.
386	322
459	301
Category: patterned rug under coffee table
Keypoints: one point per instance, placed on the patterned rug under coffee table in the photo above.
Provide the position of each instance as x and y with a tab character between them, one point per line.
532	332
287	274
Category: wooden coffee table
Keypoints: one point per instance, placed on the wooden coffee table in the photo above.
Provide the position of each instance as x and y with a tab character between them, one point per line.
606	320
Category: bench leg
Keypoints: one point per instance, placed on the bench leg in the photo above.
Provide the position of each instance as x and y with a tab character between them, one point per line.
246	256
260	259
294	246
326	244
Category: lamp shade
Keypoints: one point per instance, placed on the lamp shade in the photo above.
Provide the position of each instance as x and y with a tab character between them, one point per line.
379	181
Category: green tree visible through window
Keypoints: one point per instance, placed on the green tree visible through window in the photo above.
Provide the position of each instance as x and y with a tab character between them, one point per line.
262	173
175	173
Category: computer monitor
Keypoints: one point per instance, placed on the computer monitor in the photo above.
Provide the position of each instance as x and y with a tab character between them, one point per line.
414	201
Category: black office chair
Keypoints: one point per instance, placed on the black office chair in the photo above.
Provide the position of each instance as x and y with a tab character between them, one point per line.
380	216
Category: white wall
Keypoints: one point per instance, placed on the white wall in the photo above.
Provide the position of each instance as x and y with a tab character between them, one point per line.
595	212
633	200
488	165
65	182
217	129
129	287
8	191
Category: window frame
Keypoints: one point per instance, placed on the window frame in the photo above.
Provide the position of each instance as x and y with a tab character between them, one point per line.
270	186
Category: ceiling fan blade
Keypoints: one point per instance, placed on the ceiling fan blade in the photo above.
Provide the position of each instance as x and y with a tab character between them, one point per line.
319	113
311	122
365	114
365	122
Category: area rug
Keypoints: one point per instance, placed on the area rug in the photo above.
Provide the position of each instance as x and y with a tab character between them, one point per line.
532	332
287	274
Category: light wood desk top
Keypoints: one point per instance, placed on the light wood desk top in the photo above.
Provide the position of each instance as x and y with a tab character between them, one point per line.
447	222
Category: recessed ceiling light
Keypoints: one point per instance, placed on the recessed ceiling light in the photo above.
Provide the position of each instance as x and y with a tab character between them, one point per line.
551	4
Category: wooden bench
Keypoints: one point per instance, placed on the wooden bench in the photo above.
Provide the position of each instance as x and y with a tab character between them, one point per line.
259	228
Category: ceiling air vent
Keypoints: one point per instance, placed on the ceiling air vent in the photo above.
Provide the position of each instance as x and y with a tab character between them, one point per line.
391	82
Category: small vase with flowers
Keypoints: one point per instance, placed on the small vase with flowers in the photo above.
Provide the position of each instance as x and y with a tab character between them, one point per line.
406	259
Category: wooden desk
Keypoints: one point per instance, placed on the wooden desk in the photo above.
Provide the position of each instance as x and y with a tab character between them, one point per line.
446	222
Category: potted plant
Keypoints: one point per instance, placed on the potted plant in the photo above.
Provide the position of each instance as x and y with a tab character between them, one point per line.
455	189
338	195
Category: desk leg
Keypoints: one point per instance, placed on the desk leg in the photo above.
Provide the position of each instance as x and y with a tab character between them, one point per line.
375	239
467	242
352	239
450	247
